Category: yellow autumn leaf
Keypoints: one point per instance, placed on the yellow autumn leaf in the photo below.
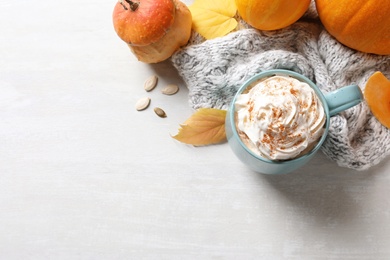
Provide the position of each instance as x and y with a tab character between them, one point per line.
213	19
206	126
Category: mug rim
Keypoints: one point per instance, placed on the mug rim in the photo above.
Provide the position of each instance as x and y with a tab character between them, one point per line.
269	73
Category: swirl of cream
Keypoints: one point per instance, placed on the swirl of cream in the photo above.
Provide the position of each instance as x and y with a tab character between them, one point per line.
280	117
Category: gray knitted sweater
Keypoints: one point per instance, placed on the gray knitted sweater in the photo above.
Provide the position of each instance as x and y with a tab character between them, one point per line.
213	70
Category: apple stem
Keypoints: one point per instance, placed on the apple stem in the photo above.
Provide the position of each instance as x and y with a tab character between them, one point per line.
133	5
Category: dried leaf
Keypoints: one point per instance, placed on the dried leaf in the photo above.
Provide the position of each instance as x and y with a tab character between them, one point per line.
213	19
206	126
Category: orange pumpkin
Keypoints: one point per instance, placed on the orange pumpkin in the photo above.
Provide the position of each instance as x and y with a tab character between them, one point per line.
377	96
363	25
153	29
271	14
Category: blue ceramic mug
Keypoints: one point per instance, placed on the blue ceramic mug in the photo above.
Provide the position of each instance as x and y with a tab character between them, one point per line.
333	103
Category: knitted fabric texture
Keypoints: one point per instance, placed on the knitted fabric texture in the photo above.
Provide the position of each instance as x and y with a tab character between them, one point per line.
213	70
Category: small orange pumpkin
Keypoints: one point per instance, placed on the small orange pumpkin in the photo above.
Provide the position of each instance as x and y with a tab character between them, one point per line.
153	29
271	14
363	25
377	96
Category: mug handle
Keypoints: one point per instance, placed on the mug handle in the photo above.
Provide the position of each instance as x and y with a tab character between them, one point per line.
343	98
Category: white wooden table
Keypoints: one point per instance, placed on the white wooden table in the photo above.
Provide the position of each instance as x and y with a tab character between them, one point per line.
83	175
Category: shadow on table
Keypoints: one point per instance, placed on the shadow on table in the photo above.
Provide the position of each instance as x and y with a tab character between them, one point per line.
166	70
325	191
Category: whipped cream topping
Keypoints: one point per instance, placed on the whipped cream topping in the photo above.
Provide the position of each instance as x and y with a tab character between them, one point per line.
280	117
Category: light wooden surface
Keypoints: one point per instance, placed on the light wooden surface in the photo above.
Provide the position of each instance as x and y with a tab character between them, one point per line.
83	175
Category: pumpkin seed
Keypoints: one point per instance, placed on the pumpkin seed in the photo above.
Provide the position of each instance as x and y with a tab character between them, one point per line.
142	103
160	112
170	89
150	83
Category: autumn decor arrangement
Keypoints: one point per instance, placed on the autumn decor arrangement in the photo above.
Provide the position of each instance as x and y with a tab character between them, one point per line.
220	44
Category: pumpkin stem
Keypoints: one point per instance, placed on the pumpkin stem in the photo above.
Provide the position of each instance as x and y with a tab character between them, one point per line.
123	5
133	5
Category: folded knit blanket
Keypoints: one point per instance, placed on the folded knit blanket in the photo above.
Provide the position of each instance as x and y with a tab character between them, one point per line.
213	70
